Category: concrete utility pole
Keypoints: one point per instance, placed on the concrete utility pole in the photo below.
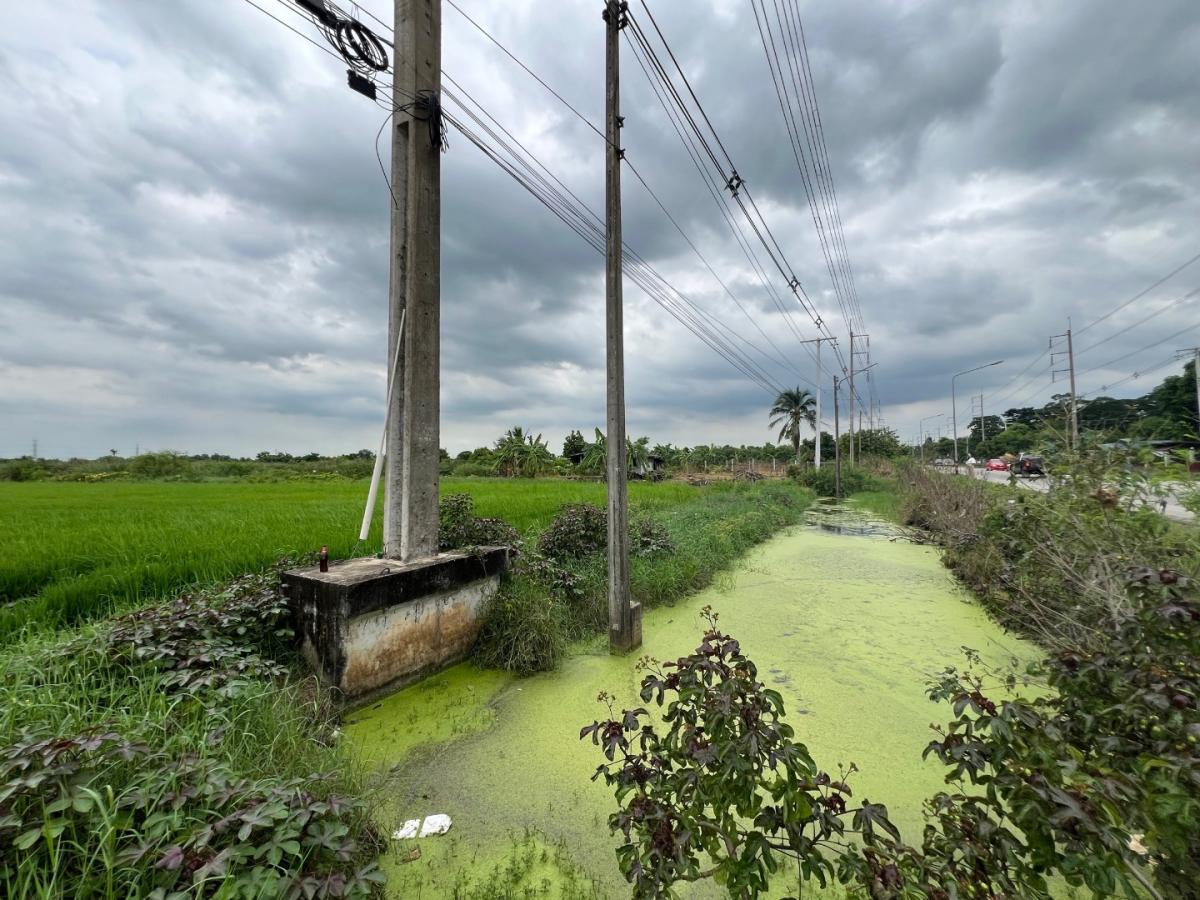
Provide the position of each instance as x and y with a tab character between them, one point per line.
982	421
1195	351
820	375
410	519
1073	409
624	622
1074	396
852	336
837	447
1196	378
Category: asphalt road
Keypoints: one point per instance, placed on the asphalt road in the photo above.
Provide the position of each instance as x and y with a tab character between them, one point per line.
1173	510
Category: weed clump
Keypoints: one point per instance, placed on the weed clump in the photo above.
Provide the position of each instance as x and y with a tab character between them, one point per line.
824	480
581	529
459	527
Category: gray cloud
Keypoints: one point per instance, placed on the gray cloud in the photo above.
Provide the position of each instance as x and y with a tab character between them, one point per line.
195	250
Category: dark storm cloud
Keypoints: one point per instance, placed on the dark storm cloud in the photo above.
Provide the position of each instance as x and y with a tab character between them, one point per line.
195	249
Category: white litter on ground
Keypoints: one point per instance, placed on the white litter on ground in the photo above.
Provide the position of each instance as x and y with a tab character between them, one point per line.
432	825
438	824
408	830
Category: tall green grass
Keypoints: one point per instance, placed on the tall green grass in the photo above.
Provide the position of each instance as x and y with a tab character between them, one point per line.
73	552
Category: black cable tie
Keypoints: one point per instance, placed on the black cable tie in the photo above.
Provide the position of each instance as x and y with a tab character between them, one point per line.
794	284
622	10
620	153
319	11
735	181
620	121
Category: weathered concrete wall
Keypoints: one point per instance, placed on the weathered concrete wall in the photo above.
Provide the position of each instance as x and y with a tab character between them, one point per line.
368	625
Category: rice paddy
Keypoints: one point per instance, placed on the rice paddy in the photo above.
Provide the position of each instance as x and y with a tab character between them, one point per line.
77	551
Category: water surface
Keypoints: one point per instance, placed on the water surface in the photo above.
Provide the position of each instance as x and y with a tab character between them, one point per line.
843	616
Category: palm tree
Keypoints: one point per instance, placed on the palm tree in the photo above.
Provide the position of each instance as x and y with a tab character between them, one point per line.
792	407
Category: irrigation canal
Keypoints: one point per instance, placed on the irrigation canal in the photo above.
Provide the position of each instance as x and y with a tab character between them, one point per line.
843	615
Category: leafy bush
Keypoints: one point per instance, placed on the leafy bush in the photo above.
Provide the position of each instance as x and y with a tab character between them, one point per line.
206	642
160	465
459	526
725	783
1052	566
523	630
22	470
176	826
581	529
577	530
824	480
1109	751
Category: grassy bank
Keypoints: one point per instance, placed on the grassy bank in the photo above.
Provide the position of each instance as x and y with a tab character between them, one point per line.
177	750
556	595
75	552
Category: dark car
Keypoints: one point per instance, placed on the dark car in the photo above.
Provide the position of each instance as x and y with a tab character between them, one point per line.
1028	467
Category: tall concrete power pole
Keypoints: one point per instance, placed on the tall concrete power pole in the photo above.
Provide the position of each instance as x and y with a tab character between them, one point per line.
1074	396
837	447
1196	378
820	375
410	521
852	336
624	621
1073	409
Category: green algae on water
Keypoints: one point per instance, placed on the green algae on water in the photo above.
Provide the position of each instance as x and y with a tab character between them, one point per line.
449	705
847	628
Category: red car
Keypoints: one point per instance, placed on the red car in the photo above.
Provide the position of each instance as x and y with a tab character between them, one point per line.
997	465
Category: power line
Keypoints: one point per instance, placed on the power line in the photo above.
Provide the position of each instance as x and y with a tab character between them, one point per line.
1133	376
1138	295
782	359
590	226
789	121
732	180
1144	320
636	172
585	223
1126	356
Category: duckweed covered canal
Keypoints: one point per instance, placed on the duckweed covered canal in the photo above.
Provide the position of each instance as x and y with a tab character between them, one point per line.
843	616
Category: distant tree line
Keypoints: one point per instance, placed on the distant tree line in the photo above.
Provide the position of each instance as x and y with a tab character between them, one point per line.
1166	412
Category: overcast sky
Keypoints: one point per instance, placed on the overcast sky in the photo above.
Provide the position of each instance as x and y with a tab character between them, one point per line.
194	219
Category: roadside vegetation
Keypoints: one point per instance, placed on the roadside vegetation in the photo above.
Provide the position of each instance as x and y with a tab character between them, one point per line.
1166	413
1109	588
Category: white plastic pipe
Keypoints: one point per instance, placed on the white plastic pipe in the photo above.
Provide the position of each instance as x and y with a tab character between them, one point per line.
377	471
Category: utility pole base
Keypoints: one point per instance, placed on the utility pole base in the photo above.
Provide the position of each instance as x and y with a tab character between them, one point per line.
621	641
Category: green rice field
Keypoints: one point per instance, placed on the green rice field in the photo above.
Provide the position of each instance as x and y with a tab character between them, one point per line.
75	551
